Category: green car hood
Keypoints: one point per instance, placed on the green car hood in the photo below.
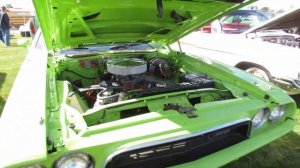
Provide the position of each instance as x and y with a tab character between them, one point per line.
71	23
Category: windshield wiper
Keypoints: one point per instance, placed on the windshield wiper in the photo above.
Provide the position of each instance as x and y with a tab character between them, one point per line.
123	47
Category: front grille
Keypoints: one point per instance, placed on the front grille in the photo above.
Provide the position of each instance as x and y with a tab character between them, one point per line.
182	150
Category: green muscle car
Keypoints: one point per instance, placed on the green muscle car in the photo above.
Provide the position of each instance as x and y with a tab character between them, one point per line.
101	87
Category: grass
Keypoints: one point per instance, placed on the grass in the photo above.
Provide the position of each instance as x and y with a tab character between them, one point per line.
10	60
284	152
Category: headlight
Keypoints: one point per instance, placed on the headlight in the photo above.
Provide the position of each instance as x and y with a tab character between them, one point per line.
260	118
276	114
74	160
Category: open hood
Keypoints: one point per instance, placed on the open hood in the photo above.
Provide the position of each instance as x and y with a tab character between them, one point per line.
70	23
286	20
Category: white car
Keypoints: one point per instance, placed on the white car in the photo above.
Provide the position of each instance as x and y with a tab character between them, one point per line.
25	29
275	63
283	29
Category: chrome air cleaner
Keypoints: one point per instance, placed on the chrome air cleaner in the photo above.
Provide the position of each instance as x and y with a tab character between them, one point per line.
127	66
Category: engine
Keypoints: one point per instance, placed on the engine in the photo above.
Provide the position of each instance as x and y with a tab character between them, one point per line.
128	78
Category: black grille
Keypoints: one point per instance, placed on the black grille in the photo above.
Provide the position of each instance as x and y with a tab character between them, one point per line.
183	150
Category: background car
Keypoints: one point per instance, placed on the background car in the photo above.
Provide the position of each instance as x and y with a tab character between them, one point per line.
25	29
278	64
238	21
29	29
283	29
242	20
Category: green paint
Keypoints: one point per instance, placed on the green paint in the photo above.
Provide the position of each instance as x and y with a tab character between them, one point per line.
72	125
70	23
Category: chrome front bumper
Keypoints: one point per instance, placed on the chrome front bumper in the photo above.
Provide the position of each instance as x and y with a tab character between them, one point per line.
292	86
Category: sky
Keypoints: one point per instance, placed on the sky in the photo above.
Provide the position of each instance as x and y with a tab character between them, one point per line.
25	4
278	4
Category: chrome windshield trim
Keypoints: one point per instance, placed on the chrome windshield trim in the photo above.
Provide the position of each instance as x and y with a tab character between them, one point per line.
129	51
145	145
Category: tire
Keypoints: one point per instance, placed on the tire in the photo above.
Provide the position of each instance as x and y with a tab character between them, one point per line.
22	34
297	99
257	71
27	34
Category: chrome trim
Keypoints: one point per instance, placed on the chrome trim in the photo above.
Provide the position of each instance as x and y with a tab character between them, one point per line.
91	160
283	108
172	139
292	86
265	118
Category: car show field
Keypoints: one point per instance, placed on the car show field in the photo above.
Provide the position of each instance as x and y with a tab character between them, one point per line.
282	152
103	84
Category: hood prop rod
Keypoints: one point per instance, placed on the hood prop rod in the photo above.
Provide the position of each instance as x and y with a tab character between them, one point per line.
160	8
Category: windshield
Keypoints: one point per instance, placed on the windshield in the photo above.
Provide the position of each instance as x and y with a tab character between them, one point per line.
242	20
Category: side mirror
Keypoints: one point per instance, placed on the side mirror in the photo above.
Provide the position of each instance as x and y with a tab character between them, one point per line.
251	35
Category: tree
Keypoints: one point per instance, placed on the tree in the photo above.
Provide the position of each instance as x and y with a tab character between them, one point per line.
9	6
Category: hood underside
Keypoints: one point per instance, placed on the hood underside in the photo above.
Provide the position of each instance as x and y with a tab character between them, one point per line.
70	23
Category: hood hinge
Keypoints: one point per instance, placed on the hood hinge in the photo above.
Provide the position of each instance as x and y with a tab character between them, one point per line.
53	46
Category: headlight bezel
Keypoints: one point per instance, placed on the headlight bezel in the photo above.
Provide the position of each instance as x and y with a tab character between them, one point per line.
280	110
68	156
263	118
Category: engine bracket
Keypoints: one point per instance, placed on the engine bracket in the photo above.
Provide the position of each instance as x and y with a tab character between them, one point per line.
190	111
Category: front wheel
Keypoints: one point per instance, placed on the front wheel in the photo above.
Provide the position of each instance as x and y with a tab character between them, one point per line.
22	34
259	73
296	97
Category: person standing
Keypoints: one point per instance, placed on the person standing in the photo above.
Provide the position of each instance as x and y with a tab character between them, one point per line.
4	26
1	38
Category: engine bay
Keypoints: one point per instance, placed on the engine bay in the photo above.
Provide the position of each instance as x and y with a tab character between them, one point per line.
105	88
129	78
